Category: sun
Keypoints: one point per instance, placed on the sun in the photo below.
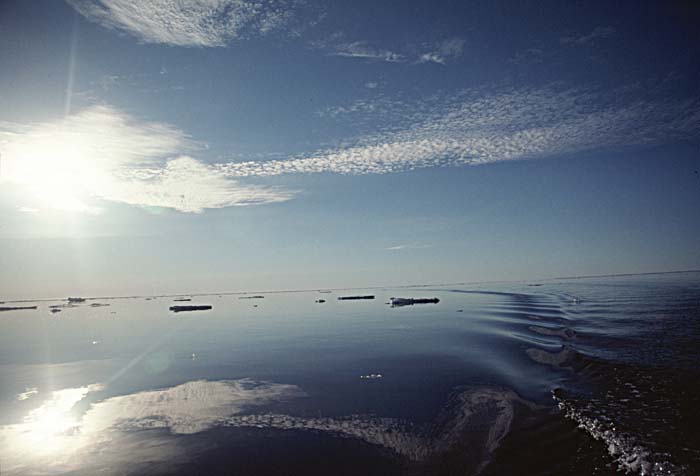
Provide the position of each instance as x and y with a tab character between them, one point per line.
59	168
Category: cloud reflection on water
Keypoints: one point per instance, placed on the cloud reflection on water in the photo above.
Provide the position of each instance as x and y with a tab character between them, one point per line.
108	435
52	435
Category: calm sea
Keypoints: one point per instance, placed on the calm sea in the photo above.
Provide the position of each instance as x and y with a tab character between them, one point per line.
578	376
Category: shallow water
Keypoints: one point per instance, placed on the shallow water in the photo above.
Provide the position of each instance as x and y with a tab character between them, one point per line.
581	376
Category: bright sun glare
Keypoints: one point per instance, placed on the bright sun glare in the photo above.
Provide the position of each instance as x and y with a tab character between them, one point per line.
59	169
46	428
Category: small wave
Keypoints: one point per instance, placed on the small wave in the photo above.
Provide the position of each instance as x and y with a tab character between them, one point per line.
565	332
556	359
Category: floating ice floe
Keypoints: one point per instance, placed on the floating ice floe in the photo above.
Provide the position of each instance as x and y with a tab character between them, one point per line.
202	307
397	302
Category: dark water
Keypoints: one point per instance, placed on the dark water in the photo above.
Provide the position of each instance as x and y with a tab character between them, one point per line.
585	376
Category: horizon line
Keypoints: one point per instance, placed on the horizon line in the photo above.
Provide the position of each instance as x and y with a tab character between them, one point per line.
282	291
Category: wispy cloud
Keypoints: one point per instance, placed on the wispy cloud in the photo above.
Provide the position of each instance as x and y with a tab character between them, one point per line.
368	107
101	152
597	33
444	51
530	55
439	52
360	49
389	109
408	246
478	127
197	23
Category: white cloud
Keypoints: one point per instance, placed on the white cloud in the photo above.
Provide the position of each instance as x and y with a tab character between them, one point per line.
198	23
446	50
475	128
189	185
408	246
102	153
360	49
440	52
431	58
597	33
371	106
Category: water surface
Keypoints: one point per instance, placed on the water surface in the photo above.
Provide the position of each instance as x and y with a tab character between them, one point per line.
584	376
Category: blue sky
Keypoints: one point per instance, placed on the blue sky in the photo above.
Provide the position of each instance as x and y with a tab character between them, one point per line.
231	145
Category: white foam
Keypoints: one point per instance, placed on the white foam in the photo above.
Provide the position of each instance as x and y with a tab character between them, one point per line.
630	457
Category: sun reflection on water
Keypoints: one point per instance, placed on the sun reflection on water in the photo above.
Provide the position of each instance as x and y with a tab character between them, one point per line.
56	435
48	430
54	417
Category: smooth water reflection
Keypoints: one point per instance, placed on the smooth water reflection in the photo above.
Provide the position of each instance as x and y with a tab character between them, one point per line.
131	387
